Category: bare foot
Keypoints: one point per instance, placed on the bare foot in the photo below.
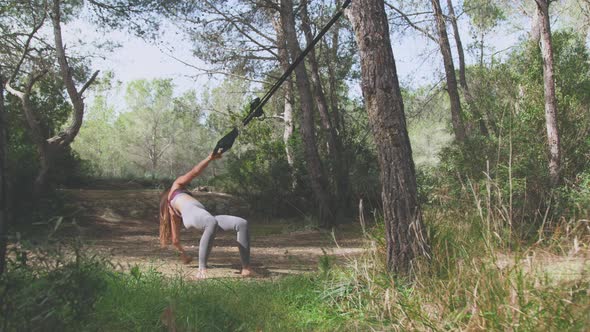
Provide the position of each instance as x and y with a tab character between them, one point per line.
202	274
247	272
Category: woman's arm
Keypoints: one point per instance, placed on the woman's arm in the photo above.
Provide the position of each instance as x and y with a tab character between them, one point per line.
185	179
176	234
176	240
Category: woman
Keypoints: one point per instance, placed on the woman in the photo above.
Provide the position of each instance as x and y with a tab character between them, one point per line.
177	203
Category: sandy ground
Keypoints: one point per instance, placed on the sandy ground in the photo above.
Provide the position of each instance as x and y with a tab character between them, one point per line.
123	224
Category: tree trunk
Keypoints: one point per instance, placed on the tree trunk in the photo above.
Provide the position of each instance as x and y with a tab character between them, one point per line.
338	164
332	79
312	157
45	161
288	99
316	83
3	177
383	100
545	44
452	89
462	75
288	130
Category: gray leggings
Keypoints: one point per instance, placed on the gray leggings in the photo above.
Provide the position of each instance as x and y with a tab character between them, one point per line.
194	215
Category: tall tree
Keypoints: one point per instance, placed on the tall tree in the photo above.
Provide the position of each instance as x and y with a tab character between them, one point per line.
313	163
3	177
48	148
442	40
333	79
337	162
404	230
288	128
462	71
544	34
452	88
484	17
149	129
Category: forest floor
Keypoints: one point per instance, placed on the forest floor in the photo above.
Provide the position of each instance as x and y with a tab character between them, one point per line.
123	225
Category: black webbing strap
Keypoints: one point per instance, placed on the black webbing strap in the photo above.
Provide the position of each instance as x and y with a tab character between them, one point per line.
256	105
295	63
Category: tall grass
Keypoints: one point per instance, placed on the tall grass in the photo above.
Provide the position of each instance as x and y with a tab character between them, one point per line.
481	276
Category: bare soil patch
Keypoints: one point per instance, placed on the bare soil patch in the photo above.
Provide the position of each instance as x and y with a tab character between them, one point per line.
123	224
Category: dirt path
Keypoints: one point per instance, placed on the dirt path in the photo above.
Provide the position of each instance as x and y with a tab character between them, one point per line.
124	225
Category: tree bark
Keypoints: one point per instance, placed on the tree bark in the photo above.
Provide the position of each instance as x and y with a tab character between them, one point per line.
544	29
316	84
3	187
288	130
332	79
283	54
312	157
338	164
403	218
452	89
462	75
35	131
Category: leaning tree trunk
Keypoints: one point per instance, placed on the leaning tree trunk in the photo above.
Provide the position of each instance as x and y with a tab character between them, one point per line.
312	157
338	164
483	129
3	177
544	29
48	148
452	89
403	218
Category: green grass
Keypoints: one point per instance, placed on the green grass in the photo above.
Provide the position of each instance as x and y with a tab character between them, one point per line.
135	302
83	293
475	280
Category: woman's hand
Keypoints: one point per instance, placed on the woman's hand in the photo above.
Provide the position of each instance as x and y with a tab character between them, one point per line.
186	259
215	156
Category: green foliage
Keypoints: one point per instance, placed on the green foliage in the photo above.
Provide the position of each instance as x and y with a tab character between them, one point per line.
52	289
428	120
53	110
465	285
66	289
160	136
511	165
262	176
484	15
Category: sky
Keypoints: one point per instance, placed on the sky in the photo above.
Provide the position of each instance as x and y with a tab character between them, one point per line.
140	59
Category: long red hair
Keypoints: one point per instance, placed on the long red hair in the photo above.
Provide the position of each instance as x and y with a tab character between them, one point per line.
165	219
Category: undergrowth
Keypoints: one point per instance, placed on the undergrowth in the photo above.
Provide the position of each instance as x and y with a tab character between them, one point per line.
481	276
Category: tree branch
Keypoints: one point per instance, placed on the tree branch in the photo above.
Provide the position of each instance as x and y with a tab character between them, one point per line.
410	23
13	91
30	117
26	48
232	22
90	81
65	138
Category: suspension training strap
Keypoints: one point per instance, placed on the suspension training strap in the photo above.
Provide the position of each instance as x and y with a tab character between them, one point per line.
226	142
295	63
